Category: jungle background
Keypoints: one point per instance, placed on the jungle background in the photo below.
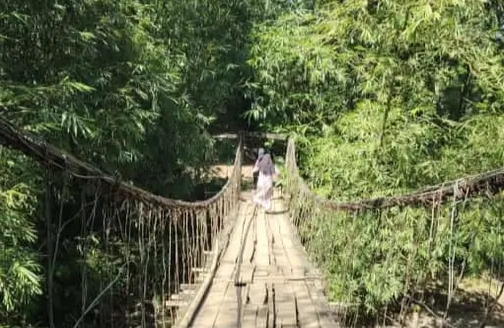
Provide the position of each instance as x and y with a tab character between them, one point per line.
385	97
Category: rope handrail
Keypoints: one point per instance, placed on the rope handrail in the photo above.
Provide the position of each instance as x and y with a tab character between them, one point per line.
490	182
55	158
179	234
373	252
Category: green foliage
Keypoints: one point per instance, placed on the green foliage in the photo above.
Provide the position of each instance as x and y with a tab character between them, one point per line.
390	96
311	67
374	258
96	80
19	269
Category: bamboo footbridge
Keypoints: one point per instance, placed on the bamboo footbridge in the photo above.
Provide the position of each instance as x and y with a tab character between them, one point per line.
222	262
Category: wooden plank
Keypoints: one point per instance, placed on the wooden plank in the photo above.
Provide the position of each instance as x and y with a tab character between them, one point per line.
308	316
285	305
262	258
249	243
227	316
277	259
284	298
262	317
262	271
188	286
301	271
222	284
250	313
242	267
188	292
271	242
258	294
247	274
172	303
199	278
207	314
271	306
245	296
255	308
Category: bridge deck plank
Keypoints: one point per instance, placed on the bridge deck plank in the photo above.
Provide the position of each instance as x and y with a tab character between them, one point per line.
278	260
215	305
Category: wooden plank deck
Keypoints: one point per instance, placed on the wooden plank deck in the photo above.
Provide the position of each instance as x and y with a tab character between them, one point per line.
264	278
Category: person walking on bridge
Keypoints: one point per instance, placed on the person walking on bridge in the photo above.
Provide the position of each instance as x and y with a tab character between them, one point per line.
264	191
260	155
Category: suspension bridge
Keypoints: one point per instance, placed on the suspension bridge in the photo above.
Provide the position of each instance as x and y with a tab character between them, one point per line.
222	262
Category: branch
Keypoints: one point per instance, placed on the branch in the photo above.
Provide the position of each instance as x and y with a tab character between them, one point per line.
97	298
491	308
430	311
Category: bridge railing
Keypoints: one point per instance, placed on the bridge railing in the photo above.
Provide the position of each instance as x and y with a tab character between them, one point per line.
221	210
395	243
141	255
144	260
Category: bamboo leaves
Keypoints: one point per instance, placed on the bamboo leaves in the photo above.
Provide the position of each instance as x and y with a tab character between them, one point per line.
19	270
409	94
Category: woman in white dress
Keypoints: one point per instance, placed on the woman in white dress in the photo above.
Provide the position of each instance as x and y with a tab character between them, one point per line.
255	174
264	191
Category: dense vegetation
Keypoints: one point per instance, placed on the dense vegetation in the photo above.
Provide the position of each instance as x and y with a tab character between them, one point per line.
133	87
390	96
406	93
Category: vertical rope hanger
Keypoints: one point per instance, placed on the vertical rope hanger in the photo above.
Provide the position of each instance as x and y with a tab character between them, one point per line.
131	230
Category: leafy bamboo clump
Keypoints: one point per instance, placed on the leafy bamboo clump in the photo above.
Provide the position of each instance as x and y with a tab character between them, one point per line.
380	258
19	268
388	97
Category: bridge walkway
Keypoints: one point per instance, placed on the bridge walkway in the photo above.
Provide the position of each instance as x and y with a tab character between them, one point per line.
264	278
